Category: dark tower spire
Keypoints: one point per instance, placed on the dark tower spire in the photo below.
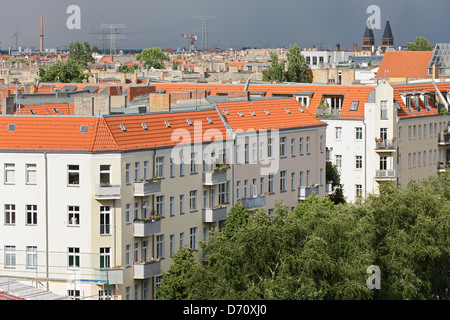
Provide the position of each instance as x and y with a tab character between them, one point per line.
368	39
388	38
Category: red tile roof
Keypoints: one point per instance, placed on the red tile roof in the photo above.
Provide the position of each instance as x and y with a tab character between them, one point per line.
404	64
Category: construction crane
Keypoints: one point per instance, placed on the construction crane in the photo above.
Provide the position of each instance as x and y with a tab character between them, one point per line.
193	38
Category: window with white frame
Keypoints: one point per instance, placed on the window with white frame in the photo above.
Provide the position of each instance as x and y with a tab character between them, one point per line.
358	162
292	180
31	214
338	160
171	168
308	145
10	214
181	240
358	189
128	213
194	166
105	174
160	246
105	220
338	133
145	168
128	255
182	166
73	172
193	238
283	147
136	252
193	200
10	256
30	173
293	147
181	203
128	173
358	133
308	178
137	171
383	163
271	186
172	206
223	193
137	210
171	244
31	257
300	146
160	206
10	173
383	109
283	180
159	167
270	147
105	257
73	258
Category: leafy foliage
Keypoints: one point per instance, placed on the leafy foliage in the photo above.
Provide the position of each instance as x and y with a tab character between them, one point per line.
332	174
70	71
153	58
420	44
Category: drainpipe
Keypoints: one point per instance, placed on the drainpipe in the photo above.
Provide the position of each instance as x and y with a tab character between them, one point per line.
46	218
365	161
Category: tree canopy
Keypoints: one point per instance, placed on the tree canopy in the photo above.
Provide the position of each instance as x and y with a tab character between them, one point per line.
153	58
420	44
70	71
322	250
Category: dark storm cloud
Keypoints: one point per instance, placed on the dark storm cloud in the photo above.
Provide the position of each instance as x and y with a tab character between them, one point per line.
239	22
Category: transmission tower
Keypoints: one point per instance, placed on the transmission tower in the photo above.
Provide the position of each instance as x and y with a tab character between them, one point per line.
103	33
205	29
113	35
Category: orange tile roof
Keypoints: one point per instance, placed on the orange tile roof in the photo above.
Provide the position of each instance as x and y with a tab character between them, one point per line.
46	109
245	115
405	64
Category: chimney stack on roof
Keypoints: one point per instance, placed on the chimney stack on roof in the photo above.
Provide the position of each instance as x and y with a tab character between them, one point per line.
41	45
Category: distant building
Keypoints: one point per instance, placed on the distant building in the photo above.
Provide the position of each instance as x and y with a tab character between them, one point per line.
388	39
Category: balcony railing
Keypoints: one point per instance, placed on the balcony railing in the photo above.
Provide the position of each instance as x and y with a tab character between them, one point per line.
305	192
329	188
385	145
254	203
147	269
146	188
214	214
107	191
327	112
443	167
146	228
385	174
111	275
212	178
444	138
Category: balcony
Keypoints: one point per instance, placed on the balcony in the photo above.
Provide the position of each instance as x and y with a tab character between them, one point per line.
327	112
385	175
212	178
305	192
112	275
147	188
214	214
107	191
444	138
442	167
146	228
385	146
147	269
254	203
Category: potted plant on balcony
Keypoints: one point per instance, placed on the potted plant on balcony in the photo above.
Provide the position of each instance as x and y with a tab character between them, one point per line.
393	139
220	168
378	139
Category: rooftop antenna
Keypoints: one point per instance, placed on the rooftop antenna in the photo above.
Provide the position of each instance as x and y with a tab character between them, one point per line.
205	30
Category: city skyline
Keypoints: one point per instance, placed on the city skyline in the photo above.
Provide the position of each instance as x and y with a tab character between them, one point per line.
254	23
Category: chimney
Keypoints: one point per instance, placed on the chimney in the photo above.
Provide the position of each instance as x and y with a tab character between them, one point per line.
435	71
8	105
41	46
338	47
355	47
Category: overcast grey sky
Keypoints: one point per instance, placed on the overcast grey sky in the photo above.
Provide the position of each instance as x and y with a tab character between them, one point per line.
263	23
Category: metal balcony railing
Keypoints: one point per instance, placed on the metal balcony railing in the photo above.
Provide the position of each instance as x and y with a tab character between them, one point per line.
305	192
107	191
253	203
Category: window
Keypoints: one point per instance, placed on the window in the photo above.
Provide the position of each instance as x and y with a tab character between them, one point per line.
292	147
321	143
261	151
358	133
354	106
383	163
409	160
10	256
181	166
128	213
420	131
300	179
246	155
308	145
105	174
358	162
283	147
128	255
308	178
171	168
145	209
10	173
424	130
300	146
73	175
181	239
261	185
292	180
73	216
414	159
238	189
383	109
136	252
338	160
160	206
270	147
31	254
399	133
419	158
409	132
283	180
10	214
159	167
424	158
137	171
245	188
254	153
145	250
171	244
181	203
137	211
338	133
145	169
105	257
30	173
414	131
194	162
128	173
321	176
73	258
383	134
31	214
271	188
172	206
105	220
193	236
358	188
223	193
193	200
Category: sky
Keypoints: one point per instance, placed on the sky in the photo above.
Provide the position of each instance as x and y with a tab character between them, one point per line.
237	23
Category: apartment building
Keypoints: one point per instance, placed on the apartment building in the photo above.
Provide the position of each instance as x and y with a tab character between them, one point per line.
93	207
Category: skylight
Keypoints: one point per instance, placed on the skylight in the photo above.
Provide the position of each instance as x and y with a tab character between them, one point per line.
209	120
11	127
123	128
226	112
32	111
252	113
301	110
83	129
268	113
144	125
240	113
354	106
189	121
56	110
167	123
287	110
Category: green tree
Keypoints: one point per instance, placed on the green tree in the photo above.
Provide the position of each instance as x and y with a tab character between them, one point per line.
420	44
69	71
178	283
237	219
88	52
127	69
332	174
297	68
153	58
276	71
175	65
